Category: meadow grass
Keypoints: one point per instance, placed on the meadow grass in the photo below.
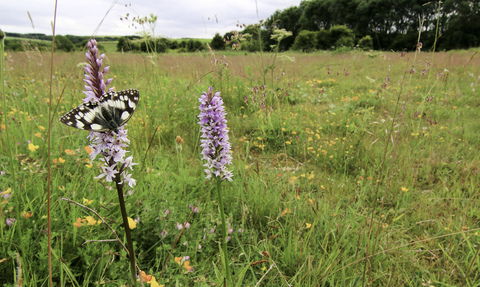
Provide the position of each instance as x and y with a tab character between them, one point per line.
329	168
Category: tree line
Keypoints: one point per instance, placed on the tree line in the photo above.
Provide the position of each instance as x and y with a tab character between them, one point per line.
70	43
42	42
159	45
380	24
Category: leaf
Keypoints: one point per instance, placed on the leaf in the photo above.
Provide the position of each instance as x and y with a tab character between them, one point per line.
241	275
218	274
398	217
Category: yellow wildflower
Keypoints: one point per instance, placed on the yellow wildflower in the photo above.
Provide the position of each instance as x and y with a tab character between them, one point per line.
91	220
187	266
87	202
131	223
145	277
32	147
78	224
27	214
287	210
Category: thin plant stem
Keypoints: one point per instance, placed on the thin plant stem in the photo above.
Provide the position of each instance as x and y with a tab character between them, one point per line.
131	256
49	168
224	231
2	60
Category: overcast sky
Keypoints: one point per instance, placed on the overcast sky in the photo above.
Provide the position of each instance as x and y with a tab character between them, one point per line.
176	19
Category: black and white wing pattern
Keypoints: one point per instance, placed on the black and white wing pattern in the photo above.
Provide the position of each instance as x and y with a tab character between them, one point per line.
111	111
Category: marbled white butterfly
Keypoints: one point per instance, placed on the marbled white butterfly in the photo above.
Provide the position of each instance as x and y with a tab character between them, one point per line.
111	111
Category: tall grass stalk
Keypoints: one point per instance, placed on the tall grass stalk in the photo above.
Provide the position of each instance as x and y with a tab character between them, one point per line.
7	147
49	138
224	233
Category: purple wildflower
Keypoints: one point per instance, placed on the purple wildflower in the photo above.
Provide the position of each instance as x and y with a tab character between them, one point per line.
194	209
10	221
109	145
215	144
164	233
5	194
199	247
96	86
212	230
167	212
179	226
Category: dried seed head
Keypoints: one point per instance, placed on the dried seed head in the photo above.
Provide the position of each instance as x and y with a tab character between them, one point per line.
258	262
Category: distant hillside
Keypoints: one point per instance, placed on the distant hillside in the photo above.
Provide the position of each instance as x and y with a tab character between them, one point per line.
74	39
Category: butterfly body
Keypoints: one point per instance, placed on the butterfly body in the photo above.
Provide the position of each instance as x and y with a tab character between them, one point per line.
109	113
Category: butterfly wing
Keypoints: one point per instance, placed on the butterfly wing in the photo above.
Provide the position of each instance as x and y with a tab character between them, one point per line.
118	108
111	111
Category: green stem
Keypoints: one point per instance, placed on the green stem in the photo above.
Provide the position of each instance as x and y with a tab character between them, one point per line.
131	251
224	232
8	144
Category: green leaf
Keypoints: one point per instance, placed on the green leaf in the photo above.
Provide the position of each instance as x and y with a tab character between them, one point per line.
241	275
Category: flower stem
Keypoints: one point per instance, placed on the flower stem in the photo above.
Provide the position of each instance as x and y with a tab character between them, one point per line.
131	251
224	232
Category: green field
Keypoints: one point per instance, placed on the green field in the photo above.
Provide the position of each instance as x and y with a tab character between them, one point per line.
337	180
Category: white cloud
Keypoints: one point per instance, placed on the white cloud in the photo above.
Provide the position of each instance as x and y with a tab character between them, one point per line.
176	19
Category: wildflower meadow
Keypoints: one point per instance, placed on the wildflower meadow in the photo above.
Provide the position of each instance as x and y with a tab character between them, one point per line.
338	168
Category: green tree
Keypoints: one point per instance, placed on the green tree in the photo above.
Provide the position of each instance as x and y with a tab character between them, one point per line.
306	41
366	43
194	45
342	36
63	43
151	45
256	38
217	42
288	19
324	40
460	24
125	45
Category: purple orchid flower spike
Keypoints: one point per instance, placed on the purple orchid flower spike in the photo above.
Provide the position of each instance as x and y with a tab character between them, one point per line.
214	140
